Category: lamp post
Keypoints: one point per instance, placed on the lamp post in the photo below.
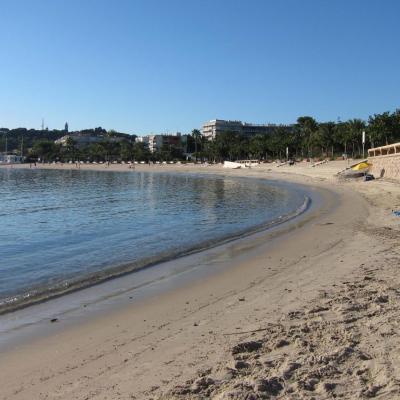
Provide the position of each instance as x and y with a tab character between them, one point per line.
363	143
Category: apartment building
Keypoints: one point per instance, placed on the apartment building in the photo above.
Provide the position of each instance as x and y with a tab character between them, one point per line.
215	126
156	142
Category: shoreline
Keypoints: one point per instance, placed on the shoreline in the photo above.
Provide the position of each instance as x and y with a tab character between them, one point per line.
151	348
74	304
117	293
38	295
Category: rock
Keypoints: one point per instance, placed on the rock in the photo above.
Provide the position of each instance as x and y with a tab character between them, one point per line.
246	347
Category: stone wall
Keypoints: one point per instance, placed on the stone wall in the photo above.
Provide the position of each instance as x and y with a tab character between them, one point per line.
388	165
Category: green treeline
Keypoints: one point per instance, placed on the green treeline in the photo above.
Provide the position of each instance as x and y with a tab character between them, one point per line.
308	138
305	139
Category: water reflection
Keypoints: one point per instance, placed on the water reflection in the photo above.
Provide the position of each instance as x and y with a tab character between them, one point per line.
63	225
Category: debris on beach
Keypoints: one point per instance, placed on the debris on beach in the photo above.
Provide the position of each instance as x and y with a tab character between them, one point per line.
369	177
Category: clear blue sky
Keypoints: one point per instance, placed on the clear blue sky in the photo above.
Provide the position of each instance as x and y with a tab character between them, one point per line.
154	66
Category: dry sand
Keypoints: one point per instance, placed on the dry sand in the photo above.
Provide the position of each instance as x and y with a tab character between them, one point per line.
315	315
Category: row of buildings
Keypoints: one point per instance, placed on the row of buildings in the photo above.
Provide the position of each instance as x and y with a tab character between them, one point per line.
155	142
6	158
209	130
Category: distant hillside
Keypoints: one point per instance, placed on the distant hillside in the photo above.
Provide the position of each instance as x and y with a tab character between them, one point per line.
30	136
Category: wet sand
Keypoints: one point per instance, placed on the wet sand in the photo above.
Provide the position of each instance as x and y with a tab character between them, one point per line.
314	315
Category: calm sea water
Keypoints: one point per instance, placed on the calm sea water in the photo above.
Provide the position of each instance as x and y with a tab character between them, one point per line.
63	229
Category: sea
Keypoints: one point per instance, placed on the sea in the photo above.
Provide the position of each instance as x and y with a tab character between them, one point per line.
63	230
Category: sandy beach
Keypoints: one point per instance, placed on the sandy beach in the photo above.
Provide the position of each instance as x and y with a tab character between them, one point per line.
309	312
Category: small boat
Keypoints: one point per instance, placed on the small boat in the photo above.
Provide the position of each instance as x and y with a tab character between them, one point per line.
232	165
362	166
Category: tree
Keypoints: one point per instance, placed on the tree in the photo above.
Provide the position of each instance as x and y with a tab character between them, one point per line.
140	152
97	152
277	142
196	134
70	146
257	146
342	134
46	150
384	128
307	127
326	137
356	127
125	151
227	145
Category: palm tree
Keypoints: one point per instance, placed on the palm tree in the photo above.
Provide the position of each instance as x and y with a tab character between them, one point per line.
307	126
325	137
342	135
196	134
356	126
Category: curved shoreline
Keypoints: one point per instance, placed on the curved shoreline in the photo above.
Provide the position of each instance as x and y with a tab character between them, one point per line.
295	284
42	294
156	330
106	288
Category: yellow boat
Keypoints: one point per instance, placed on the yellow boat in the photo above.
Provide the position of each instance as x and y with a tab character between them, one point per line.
361	166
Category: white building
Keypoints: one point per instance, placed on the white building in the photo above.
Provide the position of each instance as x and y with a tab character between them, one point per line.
211	128
215	126
10	159
83	140
156	142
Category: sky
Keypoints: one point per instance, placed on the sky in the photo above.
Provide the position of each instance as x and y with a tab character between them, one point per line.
142	66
